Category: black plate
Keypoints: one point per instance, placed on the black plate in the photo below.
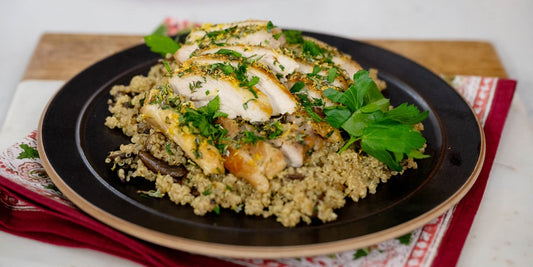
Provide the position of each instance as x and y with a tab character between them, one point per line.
75	142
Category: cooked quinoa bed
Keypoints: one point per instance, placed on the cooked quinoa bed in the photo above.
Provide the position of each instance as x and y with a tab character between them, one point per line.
315	190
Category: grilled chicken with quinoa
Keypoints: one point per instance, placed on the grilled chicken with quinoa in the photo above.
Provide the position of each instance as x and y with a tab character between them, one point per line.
264	111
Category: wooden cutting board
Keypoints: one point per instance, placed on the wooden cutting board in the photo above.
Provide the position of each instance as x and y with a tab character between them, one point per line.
61	56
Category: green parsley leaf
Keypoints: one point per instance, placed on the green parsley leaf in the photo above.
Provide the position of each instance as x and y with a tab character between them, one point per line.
408	114
388	141
316	70
270	26
253	81
28	152
299	85
336	116
161	44
332	74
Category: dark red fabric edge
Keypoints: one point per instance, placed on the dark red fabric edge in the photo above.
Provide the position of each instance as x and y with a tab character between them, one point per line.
453	241
133	249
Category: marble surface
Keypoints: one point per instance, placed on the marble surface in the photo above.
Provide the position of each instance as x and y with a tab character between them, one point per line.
501	233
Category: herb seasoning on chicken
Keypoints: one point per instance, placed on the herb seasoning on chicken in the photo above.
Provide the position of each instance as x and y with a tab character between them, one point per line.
262	121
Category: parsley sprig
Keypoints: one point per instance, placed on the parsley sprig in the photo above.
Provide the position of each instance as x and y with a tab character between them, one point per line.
387	135
160	43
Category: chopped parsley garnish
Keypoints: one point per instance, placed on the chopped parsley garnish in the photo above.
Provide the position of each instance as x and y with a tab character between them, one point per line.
387	135
228	52
250	137
273	129
293	36
252	81
216	209
308	105
312	48
167	67
169	151
202	121
316	70
299	85
207	191
218	34
270	26
194	86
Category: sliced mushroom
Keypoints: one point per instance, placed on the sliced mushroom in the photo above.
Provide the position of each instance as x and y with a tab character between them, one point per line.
159	166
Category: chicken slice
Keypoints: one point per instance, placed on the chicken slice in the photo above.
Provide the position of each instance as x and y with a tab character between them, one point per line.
302	135
342	60
250	32
185	52
255	162
279	97
234	100
346	63
195	147
272	59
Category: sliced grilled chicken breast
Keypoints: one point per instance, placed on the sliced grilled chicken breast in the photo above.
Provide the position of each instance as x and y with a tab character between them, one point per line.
256	162
195	147
250	32
279	97
185	52
234	100
272	59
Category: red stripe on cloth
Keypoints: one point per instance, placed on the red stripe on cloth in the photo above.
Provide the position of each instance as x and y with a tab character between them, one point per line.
463	216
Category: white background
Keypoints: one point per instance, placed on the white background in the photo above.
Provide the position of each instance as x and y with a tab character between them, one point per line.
507	24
